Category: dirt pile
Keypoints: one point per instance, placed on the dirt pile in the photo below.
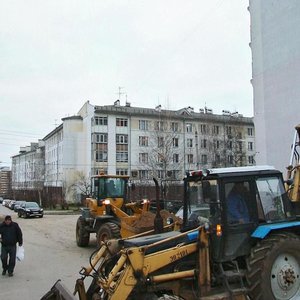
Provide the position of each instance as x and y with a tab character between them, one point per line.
146	221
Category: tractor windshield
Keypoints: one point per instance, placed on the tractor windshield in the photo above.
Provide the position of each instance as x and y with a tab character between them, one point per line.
109	187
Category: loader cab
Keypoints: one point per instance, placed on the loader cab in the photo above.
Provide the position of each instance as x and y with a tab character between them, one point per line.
239	200
112	187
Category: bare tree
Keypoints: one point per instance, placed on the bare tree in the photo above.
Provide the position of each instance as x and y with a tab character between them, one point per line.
165	159
234	147
79	185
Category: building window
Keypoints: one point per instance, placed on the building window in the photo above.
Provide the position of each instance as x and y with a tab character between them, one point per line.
143	174
101	156
240	146
175	142
143	124
100	120
121	171
143	158
230	145
250	146
100	137
251	159
216	144
174	174
174	126
203	144
159	125
230	159
190	158
121	122
228	130
216	129
160	142
121	139
250	131
203	159
189	127
175	158
99	171
189	143
122	156
217	159
203	128
160	174
143	141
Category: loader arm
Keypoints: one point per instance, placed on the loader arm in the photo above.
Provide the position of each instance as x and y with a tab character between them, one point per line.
136	268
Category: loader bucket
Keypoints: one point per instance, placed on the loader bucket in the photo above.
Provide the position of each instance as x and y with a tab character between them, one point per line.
58	292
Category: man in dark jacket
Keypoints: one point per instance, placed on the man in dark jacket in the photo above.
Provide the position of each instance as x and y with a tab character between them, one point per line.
11	234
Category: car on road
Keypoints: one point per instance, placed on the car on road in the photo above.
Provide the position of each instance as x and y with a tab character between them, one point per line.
30	209
11	204
18	204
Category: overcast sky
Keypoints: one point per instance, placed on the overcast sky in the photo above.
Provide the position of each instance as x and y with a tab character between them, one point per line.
56	55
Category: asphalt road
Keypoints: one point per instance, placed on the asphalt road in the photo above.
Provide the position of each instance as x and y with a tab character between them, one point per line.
51	253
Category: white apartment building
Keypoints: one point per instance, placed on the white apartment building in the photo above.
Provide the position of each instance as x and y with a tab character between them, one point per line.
275	46
142	143
28	169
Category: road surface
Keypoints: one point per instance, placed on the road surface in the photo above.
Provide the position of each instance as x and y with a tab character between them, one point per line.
51	253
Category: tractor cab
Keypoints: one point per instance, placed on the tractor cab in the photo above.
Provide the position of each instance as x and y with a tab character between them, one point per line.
104	186
234	202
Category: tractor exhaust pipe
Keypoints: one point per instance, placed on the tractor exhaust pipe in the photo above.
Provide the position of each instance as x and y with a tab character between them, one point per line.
158	221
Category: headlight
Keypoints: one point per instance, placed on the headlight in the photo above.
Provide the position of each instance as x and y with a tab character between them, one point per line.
170	221
42	209
28	210
106	201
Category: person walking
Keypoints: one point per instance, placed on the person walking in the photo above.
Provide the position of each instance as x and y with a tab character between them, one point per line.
11	234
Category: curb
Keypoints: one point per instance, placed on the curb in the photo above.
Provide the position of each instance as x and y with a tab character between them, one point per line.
60	212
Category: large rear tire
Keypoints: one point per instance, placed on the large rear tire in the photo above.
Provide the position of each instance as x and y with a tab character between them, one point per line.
107	231
274	268
82	235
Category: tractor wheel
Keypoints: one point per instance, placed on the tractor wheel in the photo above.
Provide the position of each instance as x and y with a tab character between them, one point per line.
82	235
107	231
274	268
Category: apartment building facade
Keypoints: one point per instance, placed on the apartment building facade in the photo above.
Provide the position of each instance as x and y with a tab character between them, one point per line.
275	46
5	183
28	169
142	143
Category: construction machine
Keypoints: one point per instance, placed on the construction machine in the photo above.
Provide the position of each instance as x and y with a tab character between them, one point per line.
293	170
110	214
240	247
105	209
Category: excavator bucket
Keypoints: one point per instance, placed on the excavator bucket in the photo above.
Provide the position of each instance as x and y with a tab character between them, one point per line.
59	292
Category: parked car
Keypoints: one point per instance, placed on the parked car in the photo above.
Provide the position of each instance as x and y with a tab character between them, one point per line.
18	204
30	209
1	199
11	204
5	202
